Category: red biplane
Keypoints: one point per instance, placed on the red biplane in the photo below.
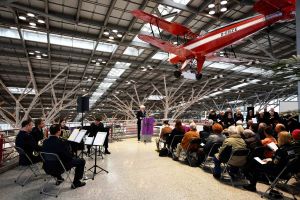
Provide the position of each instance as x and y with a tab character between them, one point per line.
200	48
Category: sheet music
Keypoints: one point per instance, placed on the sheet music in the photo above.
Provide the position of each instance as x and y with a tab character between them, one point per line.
254	120
89	140
199	128
100	138
73	135
264	161
272	146
80	135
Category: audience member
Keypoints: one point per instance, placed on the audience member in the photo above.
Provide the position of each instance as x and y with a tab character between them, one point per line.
178	130
235	142
25	141
296	135
273	167
215	137
188	136
165	131
54	145
238	116
212	115
278	128
261	130
205	133
268	139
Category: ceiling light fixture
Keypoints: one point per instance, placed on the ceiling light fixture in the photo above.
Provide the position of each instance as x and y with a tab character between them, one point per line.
223	9
32	23
119	35
115	31
41	21
22	17
212	12
211	5
223	2
106	33
217	6
111	37
30	14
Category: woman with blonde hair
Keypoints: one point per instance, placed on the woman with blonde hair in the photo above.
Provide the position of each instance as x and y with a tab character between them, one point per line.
275	165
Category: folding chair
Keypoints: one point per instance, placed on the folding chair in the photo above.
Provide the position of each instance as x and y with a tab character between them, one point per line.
238	159
289	171
54	167
176	138
195	143
34	168
213	150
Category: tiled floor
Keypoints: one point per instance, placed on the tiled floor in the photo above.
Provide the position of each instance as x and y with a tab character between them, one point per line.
135	172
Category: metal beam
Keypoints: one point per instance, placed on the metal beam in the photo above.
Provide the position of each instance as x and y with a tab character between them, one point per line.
262	49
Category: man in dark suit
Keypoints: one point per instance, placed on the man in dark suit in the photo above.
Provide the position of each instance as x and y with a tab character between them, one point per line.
55	145
96	127
140	115
37	131
25	141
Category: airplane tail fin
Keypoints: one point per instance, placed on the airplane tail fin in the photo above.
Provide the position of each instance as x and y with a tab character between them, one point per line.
267	7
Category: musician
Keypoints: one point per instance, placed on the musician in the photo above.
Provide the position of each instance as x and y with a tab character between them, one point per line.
98	126
55	145
140	115
37	131
63	126
25	141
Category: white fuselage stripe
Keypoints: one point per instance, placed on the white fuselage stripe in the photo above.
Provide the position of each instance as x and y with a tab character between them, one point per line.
219	35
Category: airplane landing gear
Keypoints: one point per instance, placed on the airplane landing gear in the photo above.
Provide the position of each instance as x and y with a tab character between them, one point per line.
198	76
177	74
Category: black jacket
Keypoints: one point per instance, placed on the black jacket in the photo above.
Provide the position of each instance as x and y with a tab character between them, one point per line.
140	115
56	145
26	142
94	129
37	134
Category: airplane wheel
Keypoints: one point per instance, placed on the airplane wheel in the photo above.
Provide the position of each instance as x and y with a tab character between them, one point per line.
177	74
199	76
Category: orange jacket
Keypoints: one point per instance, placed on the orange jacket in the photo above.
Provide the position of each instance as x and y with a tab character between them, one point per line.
188	136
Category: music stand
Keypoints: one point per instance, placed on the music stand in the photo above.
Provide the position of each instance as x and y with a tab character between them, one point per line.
77	136
97	142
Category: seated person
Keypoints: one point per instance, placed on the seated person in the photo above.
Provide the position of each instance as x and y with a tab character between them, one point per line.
165	131
277	163
268	139
188	136
98	126
234	141
205	133
215	137
178	130
250	138
278	128
55	145
64	128
37	131
296	135
25	141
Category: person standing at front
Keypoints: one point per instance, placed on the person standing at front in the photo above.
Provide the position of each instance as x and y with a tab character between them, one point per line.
140	115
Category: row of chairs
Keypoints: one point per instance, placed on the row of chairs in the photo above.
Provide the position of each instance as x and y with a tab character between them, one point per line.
239	158
34	169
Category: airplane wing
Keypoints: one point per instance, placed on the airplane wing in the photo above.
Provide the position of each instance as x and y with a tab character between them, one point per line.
171	27
166	46
229	59
267	7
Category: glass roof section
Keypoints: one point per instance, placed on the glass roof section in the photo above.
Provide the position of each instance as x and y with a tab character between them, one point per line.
38	36
18	90
160	56
131	51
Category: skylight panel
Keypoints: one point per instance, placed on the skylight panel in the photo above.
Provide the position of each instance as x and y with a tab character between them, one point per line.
219	65
131	51
160	56
106	47
253	70
115	72
147	28
9	33
155	97
122	65
184	2
18	90
71	42
35	36
165	10
137	39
